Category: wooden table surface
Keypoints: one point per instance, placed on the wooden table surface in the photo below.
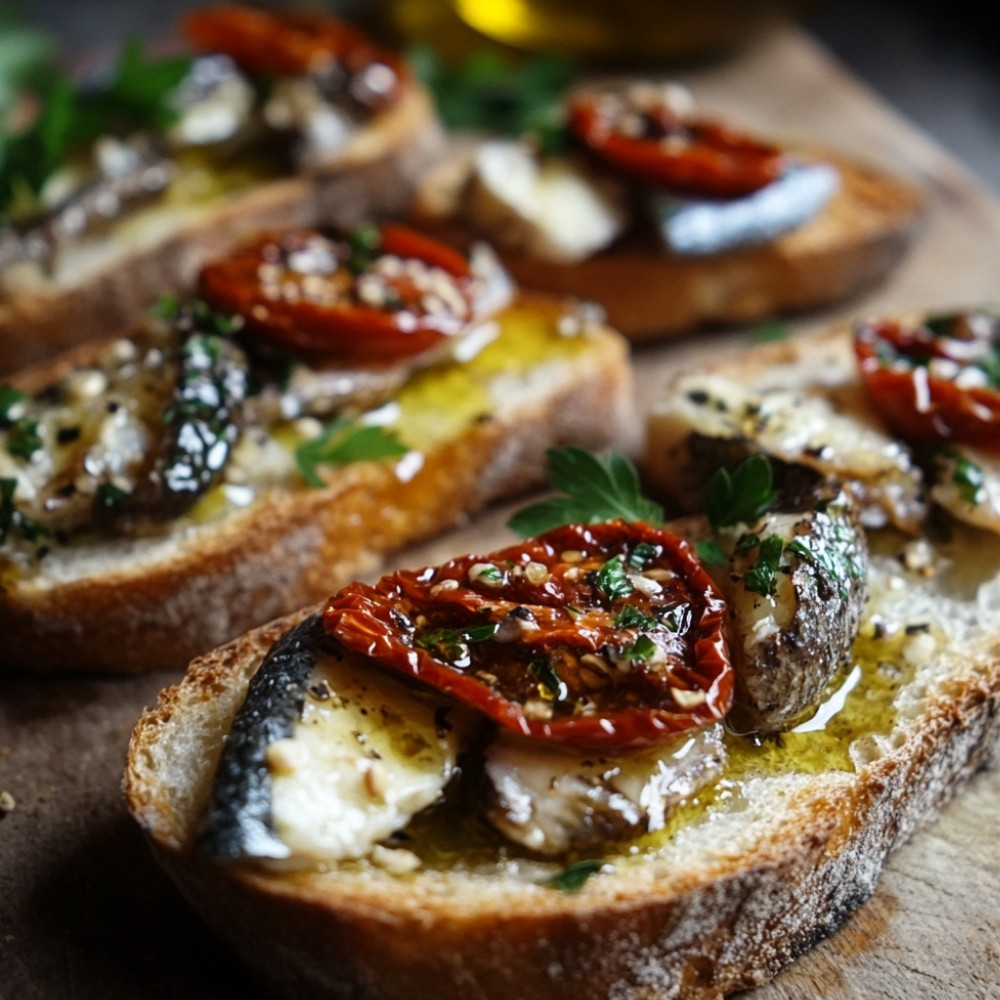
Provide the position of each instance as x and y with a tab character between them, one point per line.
84	912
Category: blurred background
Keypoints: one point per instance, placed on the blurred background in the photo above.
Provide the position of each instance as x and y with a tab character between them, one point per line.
937	63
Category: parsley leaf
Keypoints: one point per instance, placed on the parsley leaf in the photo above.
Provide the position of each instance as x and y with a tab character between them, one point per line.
762	578
629	616
574	877
453	644
969	479
342	442
611	580
742	496
11	519
594	491
24	439
710	552
549	682
486	92
9	398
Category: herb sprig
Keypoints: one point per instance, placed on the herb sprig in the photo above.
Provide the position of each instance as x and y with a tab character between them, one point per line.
741	496
486	92
594	490
342	442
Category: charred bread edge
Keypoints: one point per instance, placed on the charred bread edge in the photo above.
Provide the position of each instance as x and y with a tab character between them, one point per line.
372	176
296	546
697	934
849	246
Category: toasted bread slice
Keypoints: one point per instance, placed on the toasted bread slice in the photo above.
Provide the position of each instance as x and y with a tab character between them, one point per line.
738	883
649	293
105	281
144	603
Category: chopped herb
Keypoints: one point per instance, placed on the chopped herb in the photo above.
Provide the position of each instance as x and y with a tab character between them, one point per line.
770	330
642	649
642	555
575	876
594	491
741	496
342	442
549	682
452	644
136	97
611	580
109	495
11	519
629	616
24	440
710	552
9	398
761	579
969	479
364	243
486	92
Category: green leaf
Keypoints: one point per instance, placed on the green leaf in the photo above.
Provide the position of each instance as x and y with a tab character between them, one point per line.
110	496
710	552
492	93
550	683
23	440
740	497
629	616
575	876
611	580
594	491
9	398
770	330
969	479
642	649
762	578
342	442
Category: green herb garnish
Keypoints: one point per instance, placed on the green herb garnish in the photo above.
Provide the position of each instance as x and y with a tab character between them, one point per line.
770	330
611	579
710	552
137	97
9	398
969	479
642	555
453	644
629	616
642	649
23	440
575	876
364	243
741	496
11	519
549	682
110	496
594	491
342	442
762	578
487	92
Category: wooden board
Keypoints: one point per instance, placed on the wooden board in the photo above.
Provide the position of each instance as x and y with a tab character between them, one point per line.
84	912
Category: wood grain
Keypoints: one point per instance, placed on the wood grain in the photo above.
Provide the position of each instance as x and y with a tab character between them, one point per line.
84	912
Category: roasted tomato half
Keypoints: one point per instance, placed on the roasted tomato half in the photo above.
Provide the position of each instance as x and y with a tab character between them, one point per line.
298	43
595	635
379	294
642	132
935	381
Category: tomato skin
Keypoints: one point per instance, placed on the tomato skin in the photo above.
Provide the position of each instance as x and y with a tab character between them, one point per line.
288	43
685	155
317	309
636	706
910	372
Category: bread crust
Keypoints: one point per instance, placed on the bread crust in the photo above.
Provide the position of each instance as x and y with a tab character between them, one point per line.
729	916
373	175
647	294
729	923
157	607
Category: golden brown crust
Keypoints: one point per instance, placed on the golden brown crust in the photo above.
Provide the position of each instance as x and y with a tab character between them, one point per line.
205	585
736	907
372	176
729	922
647	294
